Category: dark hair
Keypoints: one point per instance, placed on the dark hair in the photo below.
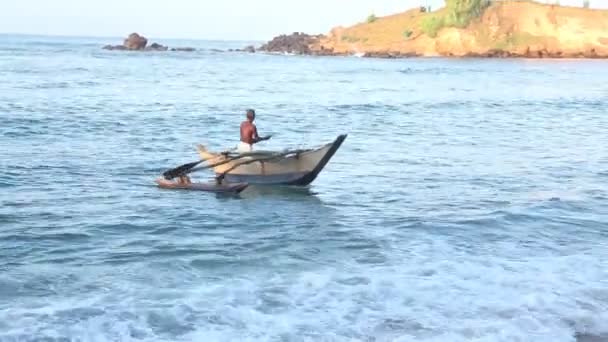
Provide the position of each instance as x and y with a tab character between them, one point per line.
250	111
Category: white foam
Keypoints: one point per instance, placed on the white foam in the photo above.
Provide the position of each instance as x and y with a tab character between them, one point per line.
430	287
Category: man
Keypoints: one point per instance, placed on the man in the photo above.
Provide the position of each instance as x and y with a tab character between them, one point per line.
249	133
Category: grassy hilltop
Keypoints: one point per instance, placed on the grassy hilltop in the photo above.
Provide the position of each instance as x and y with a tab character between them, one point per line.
476	28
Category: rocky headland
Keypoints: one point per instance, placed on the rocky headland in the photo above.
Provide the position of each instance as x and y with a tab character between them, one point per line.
464	28
136	42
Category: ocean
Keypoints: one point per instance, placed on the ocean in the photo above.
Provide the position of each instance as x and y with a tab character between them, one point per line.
468	203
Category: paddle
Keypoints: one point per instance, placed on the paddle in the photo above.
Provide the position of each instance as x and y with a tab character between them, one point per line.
188	168
180	170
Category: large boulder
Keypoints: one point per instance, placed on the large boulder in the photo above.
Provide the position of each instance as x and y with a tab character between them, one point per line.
135	42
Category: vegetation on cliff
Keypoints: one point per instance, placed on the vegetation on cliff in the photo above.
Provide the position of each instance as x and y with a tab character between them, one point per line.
457	13
469	28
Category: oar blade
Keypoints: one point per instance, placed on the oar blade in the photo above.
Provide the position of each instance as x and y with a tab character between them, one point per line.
180	170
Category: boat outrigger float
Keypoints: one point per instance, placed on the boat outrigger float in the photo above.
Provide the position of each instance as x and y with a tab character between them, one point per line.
209	187
235	171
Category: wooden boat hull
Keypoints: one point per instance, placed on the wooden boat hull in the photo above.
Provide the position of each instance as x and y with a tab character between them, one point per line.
300	168
225	187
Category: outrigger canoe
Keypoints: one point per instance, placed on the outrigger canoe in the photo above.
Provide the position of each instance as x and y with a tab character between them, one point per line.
209	187
297	167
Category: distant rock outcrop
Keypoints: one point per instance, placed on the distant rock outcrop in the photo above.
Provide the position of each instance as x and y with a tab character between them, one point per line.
183	49
296	43
248	48
157	47
114	47
136	42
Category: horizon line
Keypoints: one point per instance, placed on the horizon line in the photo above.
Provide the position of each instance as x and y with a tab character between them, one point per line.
51	35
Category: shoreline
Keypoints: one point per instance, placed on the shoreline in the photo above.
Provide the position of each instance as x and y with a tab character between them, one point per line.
510	56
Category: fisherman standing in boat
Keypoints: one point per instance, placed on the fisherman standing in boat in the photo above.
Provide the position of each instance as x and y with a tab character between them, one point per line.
249	133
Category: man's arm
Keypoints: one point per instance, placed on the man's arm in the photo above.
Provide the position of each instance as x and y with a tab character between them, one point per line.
254	134
256	137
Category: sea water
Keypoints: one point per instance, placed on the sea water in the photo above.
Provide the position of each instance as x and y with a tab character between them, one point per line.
468	203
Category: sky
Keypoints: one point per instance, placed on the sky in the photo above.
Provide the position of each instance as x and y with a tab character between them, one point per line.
198	19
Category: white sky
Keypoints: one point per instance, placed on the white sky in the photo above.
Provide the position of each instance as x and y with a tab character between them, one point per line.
198	19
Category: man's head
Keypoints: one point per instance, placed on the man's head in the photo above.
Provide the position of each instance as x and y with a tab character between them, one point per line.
250	115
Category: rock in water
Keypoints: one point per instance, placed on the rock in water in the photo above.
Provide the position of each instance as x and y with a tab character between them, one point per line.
183	49
298	43
135	42
114	47
157	47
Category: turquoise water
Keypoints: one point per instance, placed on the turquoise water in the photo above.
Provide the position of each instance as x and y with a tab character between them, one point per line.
468	202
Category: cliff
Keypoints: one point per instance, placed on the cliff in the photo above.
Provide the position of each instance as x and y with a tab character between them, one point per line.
499	29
